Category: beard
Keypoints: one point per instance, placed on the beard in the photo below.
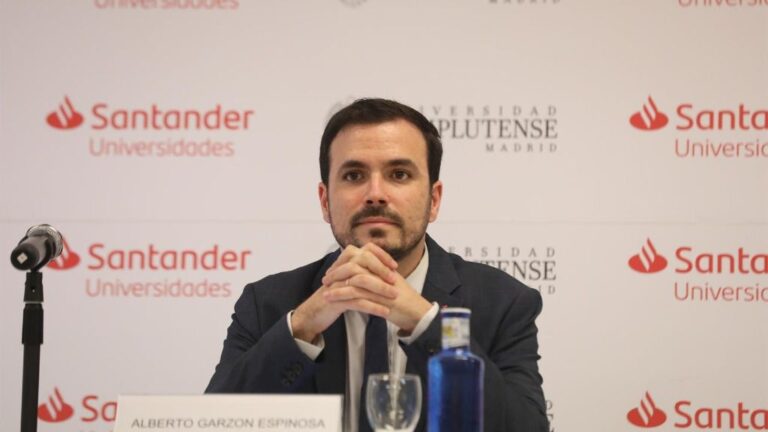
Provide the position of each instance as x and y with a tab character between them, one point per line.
407	240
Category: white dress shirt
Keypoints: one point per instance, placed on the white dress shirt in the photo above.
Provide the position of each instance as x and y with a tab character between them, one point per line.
356	323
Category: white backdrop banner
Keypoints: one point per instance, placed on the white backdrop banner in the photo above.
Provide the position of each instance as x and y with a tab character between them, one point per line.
611	154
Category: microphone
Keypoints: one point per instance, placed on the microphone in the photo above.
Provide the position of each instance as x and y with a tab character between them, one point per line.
40	245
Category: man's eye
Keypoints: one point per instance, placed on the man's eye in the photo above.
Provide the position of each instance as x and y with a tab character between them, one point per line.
401	175
352	176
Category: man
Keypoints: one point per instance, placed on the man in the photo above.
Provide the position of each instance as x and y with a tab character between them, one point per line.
311	330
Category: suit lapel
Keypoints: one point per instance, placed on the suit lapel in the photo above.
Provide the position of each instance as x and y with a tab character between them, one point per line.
442	281
331	373
440	286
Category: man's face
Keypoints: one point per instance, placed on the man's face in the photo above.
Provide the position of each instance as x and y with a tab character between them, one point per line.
378	187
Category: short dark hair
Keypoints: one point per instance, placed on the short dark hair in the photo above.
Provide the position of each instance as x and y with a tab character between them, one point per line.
373	111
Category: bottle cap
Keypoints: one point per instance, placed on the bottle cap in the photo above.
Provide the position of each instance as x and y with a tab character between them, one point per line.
455	324
455	312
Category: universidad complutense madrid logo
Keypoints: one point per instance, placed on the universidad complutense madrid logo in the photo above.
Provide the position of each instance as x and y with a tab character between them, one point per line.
649	117
646	414
65	116
55	409
648	260
67	259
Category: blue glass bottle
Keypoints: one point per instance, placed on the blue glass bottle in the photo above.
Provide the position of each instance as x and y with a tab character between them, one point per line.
455	385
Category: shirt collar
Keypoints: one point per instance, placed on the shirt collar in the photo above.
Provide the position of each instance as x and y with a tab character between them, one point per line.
419	275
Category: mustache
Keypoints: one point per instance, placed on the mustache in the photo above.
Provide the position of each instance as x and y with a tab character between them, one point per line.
376	212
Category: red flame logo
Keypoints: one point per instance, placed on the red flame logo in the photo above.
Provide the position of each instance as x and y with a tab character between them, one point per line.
647	415
66	260
649	118
56	410
648	260
66	117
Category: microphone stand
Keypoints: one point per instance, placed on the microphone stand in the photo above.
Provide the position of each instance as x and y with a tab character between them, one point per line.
31	338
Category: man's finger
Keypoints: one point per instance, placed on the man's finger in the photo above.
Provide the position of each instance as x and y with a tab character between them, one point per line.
345	293
362	264
367	283
366	306
351	252
383	256
346	254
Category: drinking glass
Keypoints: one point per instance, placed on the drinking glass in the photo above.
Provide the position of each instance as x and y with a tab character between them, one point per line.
393	402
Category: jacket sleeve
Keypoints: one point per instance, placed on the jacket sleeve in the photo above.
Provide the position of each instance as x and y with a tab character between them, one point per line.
512	381
260	360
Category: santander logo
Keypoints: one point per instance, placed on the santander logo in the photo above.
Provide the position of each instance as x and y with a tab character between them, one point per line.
690	117
648	260
67	260
649	118
89	410
56	410
647	415
65	117
687	414
689	260
153	117
100	257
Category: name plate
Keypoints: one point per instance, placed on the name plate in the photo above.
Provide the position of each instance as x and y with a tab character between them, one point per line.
219	413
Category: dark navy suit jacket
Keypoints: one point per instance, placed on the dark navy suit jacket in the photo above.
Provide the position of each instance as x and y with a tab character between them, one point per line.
260	355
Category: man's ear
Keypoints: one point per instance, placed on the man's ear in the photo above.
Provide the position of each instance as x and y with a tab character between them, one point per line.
322	192
437	196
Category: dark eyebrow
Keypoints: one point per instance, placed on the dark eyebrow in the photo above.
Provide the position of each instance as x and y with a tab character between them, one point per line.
352	164
402	163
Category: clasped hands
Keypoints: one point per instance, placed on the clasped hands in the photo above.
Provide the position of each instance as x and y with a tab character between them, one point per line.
362	279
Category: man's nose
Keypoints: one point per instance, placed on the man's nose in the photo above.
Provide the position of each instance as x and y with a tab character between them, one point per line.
376	195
